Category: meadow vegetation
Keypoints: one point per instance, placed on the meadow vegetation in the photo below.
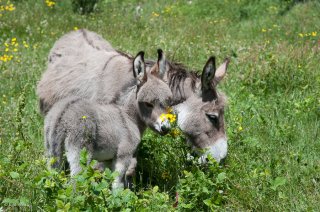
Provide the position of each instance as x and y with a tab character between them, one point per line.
272	117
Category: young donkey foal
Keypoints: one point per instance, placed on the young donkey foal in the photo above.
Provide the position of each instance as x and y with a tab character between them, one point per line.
112	131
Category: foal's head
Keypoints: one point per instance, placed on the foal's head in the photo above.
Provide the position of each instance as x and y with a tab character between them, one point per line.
153	95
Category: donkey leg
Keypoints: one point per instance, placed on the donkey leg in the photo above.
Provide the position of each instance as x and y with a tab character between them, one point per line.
73	157
73	147
130	173
102	165
54	139
120	165
99	166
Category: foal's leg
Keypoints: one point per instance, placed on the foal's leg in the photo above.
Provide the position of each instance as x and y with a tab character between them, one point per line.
130	173
120	165
102	165
73	157
73	149
54	140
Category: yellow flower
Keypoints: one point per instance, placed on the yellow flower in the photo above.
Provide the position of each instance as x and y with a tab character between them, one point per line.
163	117
25	44
301	35
9	7
313	34
263	30
167	9
169	110
155	14
165	175
168	116
52	161
175	132
6	58
75	28
172	118
240	128
50	3
84	117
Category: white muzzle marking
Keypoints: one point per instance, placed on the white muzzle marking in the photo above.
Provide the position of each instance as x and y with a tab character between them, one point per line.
162	125
218	151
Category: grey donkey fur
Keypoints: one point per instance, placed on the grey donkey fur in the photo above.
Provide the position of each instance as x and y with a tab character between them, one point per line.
81	63
201	115
108	131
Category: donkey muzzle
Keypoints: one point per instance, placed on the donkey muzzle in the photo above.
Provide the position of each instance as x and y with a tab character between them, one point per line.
162	126
218	151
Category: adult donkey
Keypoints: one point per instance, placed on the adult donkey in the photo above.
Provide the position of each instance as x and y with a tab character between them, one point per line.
107	131
83	64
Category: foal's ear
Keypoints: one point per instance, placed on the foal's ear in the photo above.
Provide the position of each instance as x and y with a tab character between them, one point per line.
139	70
162	65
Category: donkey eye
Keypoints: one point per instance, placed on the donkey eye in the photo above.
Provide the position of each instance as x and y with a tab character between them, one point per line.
162	105
213	118
148	105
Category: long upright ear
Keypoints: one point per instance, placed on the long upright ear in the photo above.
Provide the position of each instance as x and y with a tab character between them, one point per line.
207	80
222	70
208	73
162	65
139	70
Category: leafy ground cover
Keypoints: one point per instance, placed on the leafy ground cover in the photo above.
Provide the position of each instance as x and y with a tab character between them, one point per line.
272	118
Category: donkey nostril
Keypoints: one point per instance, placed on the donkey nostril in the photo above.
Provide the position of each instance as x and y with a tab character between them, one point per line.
165	129
223	161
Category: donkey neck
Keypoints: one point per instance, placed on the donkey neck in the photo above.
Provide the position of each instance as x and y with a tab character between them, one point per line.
128	102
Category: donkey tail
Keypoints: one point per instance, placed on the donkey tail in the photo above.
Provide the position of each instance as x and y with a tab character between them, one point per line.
56	133
55	147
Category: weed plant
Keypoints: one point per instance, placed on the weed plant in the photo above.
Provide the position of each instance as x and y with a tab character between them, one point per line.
272	118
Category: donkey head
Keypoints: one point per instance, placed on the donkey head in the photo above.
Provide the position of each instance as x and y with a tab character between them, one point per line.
153	95
201	116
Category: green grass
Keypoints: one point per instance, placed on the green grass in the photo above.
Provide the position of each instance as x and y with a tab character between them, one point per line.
273	88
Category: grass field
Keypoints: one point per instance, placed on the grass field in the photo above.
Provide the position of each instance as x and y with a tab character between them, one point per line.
273	113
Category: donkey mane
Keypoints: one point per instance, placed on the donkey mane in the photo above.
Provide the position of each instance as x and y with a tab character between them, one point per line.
127	55
178	73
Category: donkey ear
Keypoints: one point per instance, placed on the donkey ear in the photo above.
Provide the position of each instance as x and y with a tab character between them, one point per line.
207	81
208	73
162	65
222	70
139	70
